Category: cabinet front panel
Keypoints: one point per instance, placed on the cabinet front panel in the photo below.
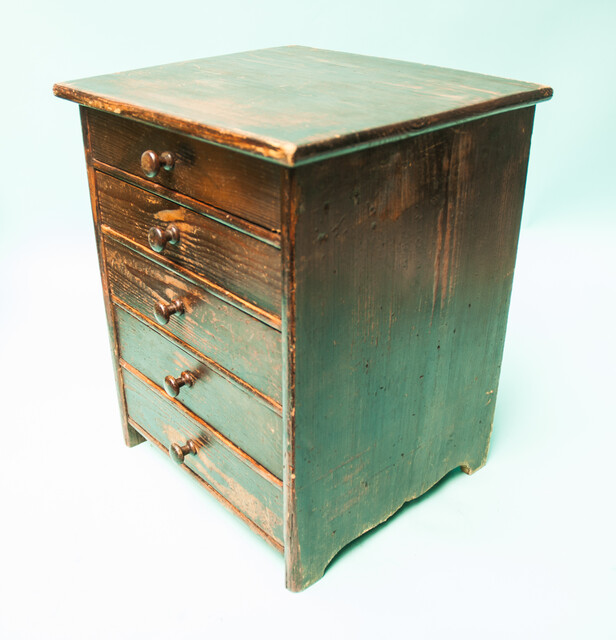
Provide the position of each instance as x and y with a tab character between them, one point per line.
245	186
233	260
239	343
231	474
235	413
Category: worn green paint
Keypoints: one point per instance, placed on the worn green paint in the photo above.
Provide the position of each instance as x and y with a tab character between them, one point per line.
400	199
230	259
403	268
230	474
230	181
238	342
295	103
237	414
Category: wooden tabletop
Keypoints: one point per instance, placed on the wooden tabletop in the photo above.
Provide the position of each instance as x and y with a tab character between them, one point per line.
295	104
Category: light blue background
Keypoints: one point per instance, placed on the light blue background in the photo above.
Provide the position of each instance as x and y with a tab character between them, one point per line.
568	45
524	548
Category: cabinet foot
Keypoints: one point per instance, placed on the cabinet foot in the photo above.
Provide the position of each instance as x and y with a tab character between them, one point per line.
469	469
131	437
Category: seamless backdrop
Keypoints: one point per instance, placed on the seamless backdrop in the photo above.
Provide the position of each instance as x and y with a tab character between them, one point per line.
99	541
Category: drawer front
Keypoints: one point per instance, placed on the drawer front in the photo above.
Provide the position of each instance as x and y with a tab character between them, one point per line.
251	424
245	186
233	260
241	344
232	474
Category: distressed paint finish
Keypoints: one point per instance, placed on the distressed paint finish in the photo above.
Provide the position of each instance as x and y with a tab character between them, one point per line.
237	414
243	346
348	237
230	472
223	178
403	266
254	231
222	255
291	104
132	437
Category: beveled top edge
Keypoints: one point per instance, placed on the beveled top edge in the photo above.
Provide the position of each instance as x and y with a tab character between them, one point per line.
280	103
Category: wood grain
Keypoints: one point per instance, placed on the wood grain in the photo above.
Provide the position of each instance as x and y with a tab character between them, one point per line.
276	544
235	413
255	231
338	300
224	178
403	265
233	260
241	344
131	437
229	472
297	104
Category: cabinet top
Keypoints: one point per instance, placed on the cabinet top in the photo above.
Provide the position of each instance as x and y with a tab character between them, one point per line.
297	104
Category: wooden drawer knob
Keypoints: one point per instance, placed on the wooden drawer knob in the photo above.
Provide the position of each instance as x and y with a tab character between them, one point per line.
162	311
173	385
178	453
157	238
151	162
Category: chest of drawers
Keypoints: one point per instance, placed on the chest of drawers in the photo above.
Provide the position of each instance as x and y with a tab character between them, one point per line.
307	258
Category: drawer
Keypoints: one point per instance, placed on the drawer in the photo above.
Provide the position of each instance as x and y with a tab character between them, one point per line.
231	259
231	473
243	345
249	422
233	181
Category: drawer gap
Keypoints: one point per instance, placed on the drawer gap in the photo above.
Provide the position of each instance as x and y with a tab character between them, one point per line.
253	464
216	290
224	217
233	379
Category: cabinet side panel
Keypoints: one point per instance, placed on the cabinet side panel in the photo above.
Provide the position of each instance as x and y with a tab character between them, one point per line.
131	436
402	271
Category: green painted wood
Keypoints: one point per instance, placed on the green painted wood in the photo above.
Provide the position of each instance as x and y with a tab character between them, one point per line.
291	104
247	348
226	179
233	260
252	425
401	266
397	211
229	473
131	437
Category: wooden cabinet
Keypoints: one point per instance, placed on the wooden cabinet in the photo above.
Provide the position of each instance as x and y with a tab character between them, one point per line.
307	259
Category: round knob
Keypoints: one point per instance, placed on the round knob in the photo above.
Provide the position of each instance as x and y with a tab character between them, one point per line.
162	311
151	162
173	385
178	453
157	238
